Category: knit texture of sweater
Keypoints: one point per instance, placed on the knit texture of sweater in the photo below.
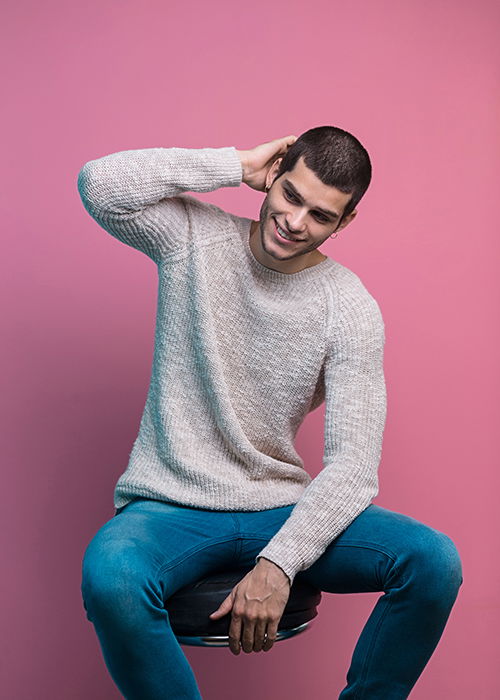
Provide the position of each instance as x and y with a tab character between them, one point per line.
242	354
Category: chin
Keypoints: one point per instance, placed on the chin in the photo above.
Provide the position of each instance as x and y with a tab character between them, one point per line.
272	248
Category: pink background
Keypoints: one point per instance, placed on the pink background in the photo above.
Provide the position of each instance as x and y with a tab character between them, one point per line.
417	82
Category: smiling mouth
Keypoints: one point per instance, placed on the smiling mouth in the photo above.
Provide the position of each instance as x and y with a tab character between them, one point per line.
284	234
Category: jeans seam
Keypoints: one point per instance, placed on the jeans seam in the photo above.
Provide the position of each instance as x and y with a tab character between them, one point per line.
368	657
376	548
239	539
355	543
175	562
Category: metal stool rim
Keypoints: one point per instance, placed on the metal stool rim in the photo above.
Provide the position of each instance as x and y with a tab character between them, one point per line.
223	640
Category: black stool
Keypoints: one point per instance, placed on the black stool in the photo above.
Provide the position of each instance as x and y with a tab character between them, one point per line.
189	609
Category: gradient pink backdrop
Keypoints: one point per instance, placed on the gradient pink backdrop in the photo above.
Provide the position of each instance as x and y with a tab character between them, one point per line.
417	82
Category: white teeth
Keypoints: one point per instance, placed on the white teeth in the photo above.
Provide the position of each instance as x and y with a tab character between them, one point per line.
283	233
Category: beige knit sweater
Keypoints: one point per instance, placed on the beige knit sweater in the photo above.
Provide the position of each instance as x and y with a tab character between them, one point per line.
242	354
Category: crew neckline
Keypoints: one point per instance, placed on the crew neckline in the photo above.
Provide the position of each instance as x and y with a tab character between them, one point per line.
307	273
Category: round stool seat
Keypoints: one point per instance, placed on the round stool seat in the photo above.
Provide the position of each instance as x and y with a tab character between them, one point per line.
189	609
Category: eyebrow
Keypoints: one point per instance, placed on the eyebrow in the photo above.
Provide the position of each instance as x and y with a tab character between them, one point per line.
333	214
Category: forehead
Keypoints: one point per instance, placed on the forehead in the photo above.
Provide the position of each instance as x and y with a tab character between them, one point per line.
314	192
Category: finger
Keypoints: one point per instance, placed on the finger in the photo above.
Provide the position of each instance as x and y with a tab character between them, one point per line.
260	631
281	145
234	634
272	631
284	140
285	143
247	638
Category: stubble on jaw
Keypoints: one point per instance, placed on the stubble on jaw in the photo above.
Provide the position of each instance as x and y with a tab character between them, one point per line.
263	215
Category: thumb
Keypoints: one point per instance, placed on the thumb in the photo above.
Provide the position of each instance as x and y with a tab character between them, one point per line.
224	607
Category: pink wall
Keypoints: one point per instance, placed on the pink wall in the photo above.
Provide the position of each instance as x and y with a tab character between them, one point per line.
416	81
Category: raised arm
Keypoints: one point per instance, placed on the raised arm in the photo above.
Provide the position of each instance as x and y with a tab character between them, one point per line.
133	194
355	413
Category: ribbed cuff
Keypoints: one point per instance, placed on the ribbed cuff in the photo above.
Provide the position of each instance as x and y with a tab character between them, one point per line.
229	168
288	570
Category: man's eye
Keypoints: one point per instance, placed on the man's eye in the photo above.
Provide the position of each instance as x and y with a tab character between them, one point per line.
293	198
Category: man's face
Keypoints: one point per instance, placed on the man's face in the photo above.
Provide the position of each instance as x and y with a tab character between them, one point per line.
307	209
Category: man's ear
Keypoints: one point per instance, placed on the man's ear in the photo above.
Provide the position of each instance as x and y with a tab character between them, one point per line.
272	172
348	219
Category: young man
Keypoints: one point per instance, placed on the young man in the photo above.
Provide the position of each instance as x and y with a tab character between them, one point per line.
256	328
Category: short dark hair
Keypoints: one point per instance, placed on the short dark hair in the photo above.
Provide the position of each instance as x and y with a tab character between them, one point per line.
336	157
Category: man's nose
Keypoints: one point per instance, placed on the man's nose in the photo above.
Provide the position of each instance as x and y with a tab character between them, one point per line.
296	221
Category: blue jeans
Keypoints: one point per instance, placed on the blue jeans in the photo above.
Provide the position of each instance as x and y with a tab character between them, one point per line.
149	549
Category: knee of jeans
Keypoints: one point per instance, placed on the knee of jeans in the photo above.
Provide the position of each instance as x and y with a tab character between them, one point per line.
437	565
113	576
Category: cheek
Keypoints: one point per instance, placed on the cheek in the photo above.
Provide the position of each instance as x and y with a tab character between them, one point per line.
274	203
268	213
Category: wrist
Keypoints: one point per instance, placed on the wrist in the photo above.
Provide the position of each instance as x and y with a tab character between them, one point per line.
264	563
244	163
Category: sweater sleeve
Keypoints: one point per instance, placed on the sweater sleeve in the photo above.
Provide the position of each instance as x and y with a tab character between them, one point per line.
133	194
355	413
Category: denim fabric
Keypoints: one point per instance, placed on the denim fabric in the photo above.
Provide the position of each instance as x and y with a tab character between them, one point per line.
149	549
